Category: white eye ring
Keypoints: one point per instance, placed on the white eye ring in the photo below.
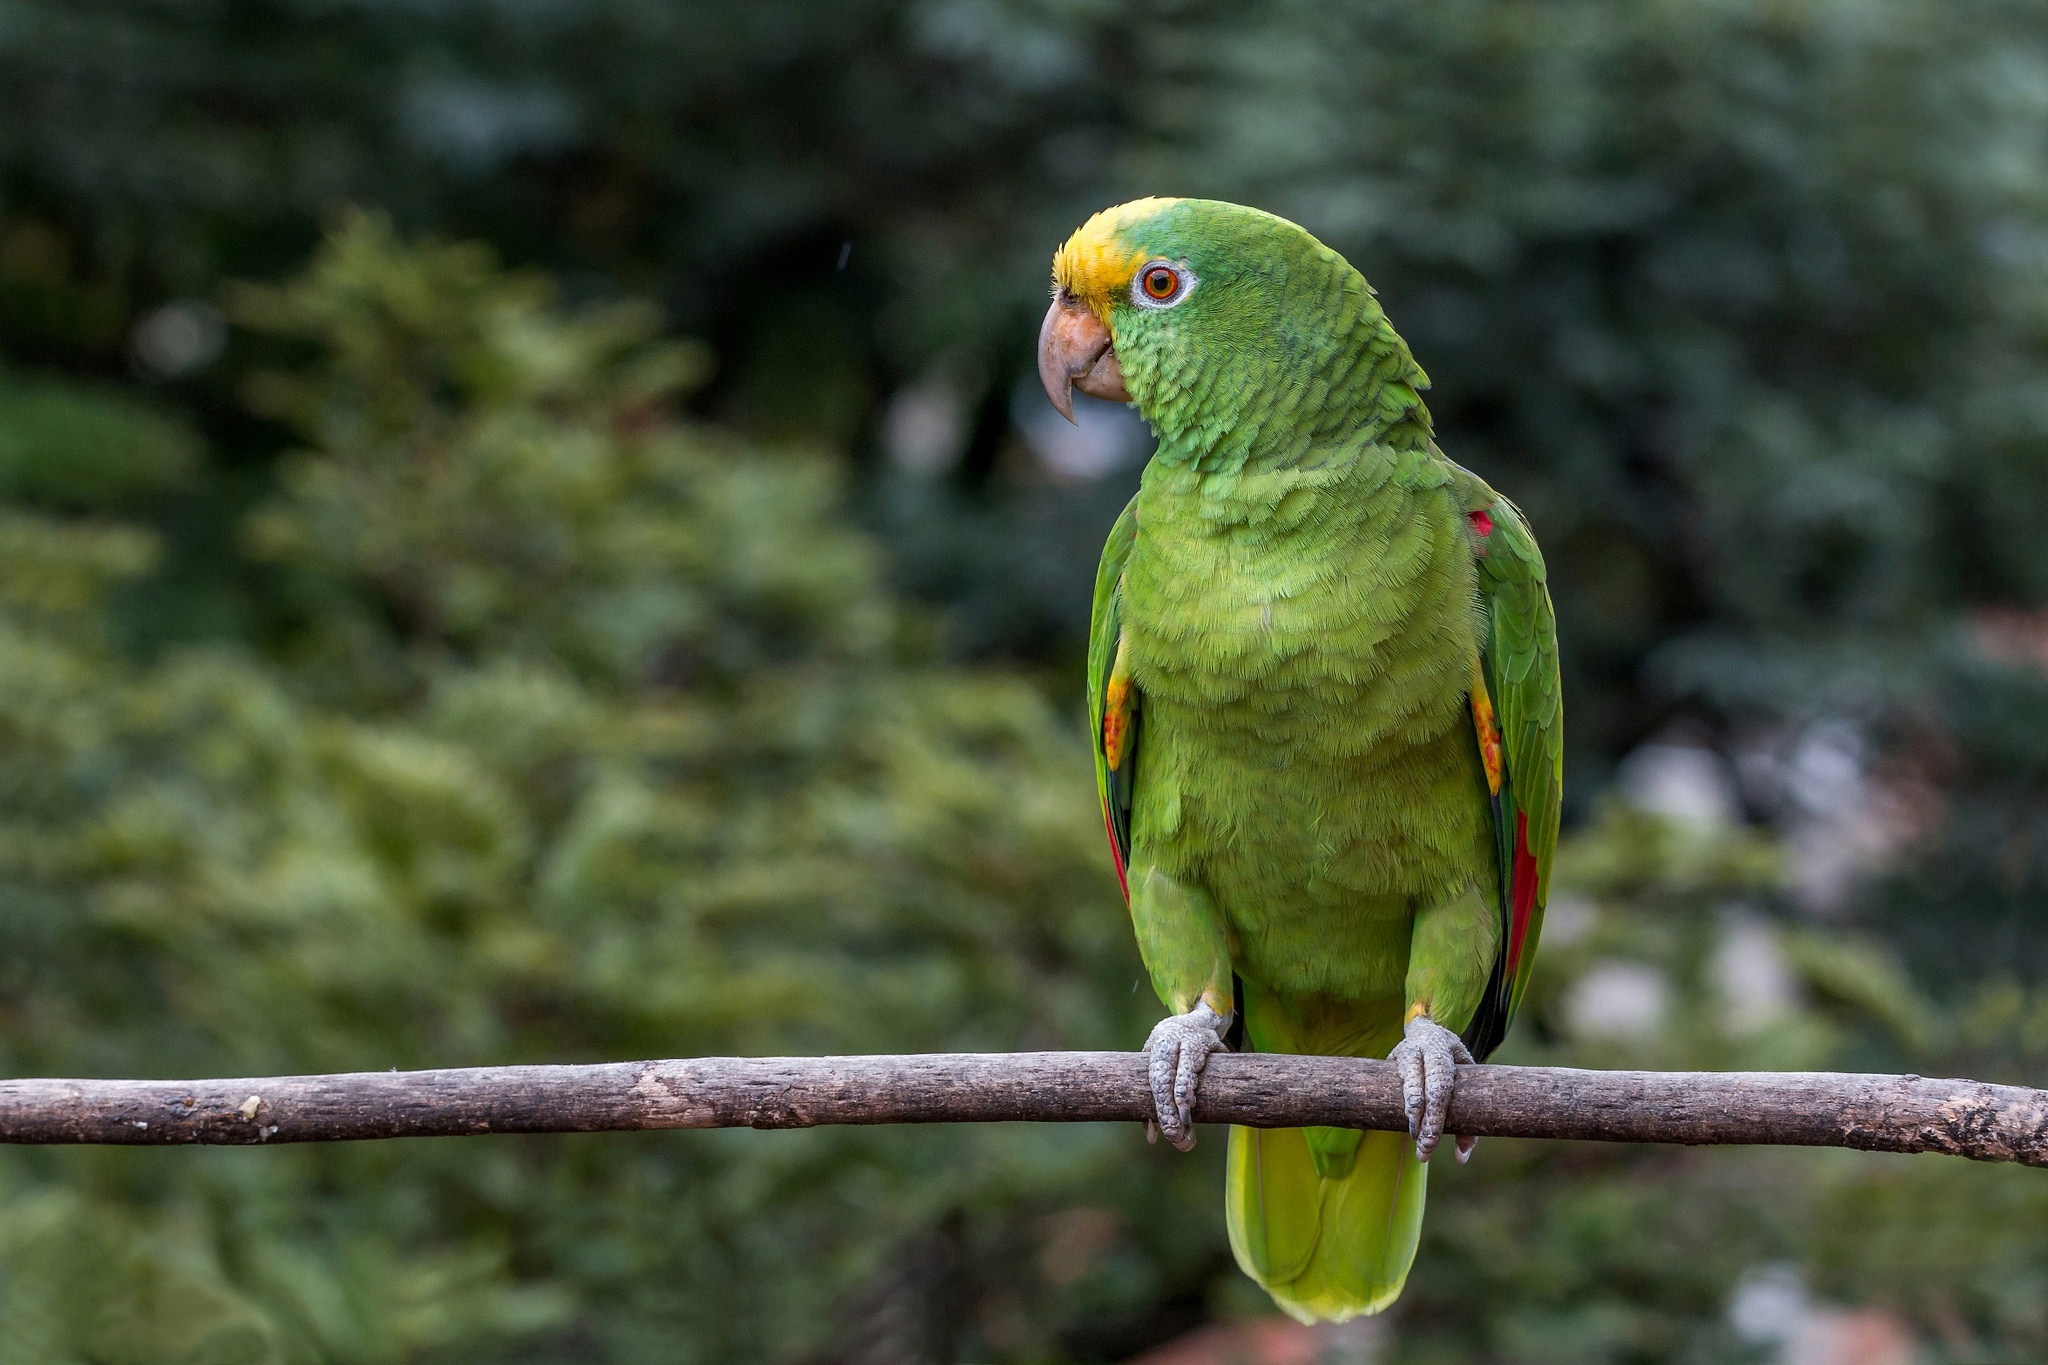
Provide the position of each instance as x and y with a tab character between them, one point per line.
1152	274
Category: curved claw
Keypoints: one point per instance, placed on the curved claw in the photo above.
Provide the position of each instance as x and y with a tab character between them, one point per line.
1180	1046
1429	1056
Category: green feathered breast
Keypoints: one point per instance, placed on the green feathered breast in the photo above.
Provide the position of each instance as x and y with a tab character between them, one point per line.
1323	683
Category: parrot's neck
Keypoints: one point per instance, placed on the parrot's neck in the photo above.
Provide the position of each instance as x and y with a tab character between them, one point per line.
1266	403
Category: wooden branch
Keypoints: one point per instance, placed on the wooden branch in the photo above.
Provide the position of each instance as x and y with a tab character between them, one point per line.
1812	1109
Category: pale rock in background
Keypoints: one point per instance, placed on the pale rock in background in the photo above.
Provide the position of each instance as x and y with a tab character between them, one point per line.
1618	1000
1839	824
1687	783
1772	1308
927	424
1102	438
1751	977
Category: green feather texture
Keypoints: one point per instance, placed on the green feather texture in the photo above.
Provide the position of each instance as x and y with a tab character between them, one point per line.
1303	592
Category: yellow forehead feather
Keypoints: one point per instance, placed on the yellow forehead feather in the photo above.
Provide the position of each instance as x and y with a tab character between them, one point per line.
1096	263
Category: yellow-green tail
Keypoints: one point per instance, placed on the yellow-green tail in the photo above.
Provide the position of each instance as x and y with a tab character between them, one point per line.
1324	1218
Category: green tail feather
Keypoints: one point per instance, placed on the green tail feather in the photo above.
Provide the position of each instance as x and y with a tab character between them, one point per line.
1326	1220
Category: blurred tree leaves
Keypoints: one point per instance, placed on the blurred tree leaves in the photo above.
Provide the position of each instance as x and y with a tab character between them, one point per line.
594	733
73	447
421	682
598	737
1741	301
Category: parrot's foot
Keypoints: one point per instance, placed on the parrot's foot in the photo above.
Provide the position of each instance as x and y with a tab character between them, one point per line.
1428	1055
1179	1047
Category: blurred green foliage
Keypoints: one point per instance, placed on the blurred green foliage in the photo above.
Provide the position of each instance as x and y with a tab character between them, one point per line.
599	739
1743	300
458	669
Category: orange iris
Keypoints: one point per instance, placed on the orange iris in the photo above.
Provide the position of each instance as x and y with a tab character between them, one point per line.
1160	282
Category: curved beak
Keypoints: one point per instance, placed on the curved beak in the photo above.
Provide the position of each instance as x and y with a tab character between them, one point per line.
1075	352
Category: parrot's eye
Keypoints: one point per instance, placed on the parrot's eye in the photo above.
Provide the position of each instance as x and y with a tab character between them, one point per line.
1161	284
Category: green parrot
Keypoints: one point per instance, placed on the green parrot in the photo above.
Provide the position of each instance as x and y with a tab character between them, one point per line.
1323	686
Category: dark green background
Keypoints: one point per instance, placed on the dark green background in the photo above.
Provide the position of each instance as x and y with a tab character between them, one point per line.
458	668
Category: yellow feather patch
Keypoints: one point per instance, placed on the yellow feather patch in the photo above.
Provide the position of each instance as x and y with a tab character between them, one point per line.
1490	752
1116	709
1096	264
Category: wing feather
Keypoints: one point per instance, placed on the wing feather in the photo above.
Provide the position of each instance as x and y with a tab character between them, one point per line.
1519	685
1115	707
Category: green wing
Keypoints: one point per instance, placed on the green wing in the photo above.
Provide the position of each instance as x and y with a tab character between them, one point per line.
1113	702
1519	667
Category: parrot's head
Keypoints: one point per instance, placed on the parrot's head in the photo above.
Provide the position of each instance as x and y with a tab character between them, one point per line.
1217	321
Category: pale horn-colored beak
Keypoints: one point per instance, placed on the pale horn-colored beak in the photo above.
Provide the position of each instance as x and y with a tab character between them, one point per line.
1075	352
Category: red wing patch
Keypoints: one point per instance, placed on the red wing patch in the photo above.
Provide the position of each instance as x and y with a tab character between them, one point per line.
1522	891
1481	523
1116	855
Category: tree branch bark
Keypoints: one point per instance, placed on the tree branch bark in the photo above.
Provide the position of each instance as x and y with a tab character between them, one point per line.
1814	1109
